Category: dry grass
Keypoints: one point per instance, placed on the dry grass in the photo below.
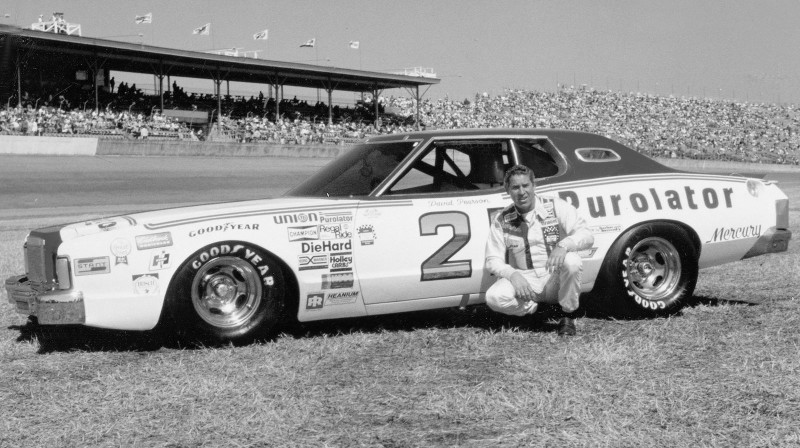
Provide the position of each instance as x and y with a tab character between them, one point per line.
724	372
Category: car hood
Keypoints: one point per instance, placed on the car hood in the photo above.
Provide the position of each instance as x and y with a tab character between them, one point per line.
161	219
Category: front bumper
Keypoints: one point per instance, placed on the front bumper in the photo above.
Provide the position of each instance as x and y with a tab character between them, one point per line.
53	307
772	241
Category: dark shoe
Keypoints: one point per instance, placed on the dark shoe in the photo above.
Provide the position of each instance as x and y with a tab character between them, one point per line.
566	327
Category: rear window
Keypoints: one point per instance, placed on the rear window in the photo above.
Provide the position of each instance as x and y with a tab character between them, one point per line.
596	155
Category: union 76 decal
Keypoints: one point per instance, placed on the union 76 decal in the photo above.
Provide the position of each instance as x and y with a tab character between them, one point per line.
439	266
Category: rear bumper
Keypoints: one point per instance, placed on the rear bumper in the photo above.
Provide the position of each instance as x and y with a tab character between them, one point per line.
53	307
772	241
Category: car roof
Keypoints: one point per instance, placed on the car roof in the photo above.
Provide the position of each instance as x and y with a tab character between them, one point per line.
566	141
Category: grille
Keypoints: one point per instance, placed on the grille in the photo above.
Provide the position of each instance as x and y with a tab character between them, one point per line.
36	260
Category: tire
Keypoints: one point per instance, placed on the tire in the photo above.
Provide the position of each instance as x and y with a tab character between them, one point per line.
650	270
230	291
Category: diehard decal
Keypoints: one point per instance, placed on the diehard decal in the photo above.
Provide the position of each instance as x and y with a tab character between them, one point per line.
120	248
227	227
314	301
325	246
145	284
338	281
153	241
92	266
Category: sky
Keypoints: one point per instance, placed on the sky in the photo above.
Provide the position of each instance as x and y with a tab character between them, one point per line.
734	49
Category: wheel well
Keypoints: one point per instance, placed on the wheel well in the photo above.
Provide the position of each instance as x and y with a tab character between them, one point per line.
291	296
689	231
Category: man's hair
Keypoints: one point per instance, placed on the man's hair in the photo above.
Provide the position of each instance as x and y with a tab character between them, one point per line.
518	170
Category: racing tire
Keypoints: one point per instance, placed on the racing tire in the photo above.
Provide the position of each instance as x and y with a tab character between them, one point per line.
650	270
230	291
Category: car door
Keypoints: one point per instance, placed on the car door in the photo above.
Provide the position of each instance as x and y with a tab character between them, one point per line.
420	239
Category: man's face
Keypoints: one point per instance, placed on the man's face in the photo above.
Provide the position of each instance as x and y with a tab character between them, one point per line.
520	188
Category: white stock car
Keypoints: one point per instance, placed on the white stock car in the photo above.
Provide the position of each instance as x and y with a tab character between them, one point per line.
398	223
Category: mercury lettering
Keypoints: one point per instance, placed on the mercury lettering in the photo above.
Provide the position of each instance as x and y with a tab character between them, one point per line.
677	199
734	233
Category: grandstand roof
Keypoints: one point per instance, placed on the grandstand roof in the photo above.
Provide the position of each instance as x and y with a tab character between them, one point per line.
113	55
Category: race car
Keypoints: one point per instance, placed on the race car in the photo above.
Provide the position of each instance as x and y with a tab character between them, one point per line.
397	223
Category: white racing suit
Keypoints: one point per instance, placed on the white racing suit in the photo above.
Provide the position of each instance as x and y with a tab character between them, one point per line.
522	243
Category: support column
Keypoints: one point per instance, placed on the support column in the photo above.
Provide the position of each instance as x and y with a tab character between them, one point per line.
330	106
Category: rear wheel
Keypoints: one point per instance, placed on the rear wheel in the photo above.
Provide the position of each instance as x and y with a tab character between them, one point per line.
650	269
230	291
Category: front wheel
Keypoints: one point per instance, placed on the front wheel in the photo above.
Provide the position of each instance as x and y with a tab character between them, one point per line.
226	292
650	269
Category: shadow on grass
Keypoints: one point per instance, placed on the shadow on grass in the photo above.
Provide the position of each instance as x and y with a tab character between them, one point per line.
79	338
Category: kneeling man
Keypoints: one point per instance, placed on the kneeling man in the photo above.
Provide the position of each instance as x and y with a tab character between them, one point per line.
531	248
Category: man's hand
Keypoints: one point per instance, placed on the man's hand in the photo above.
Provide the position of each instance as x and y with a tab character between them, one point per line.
522	288
556	259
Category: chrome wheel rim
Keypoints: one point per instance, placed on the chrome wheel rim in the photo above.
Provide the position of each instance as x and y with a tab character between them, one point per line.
653	268
226	292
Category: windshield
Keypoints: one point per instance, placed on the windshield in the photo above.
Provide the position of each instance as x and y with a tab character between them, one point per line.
357	172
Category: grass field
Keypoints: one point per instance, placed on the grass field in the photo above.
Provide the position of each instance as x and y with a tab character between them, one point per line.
724	372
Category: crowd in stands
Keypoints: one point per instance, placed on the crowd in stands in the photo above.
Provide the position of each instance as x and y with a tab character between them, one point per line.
655	125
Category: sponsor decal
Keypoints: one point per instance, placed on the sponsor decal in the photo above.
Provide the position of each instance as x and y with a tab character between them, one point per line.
294	218
92	266
153	241
306	262
371	213
145	284
314	301
160	261
734	233
332	218
120	248
335	231
341	298
240	250
341	261
608	228
456	202
343	280
227	227
325	246
305	233
653	199
366	234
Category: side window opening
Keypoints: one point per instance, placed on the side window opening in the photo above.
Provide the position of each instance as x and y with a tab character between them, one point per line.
535	154
456	166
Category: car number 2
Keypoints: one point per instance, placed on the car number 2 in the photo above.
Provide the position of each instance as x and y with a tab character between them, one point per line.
439	266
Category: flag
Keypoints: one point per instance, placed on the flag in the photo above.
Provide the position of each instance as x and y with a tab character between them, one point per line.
310	43
354	44
204	30
147	18
261	35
